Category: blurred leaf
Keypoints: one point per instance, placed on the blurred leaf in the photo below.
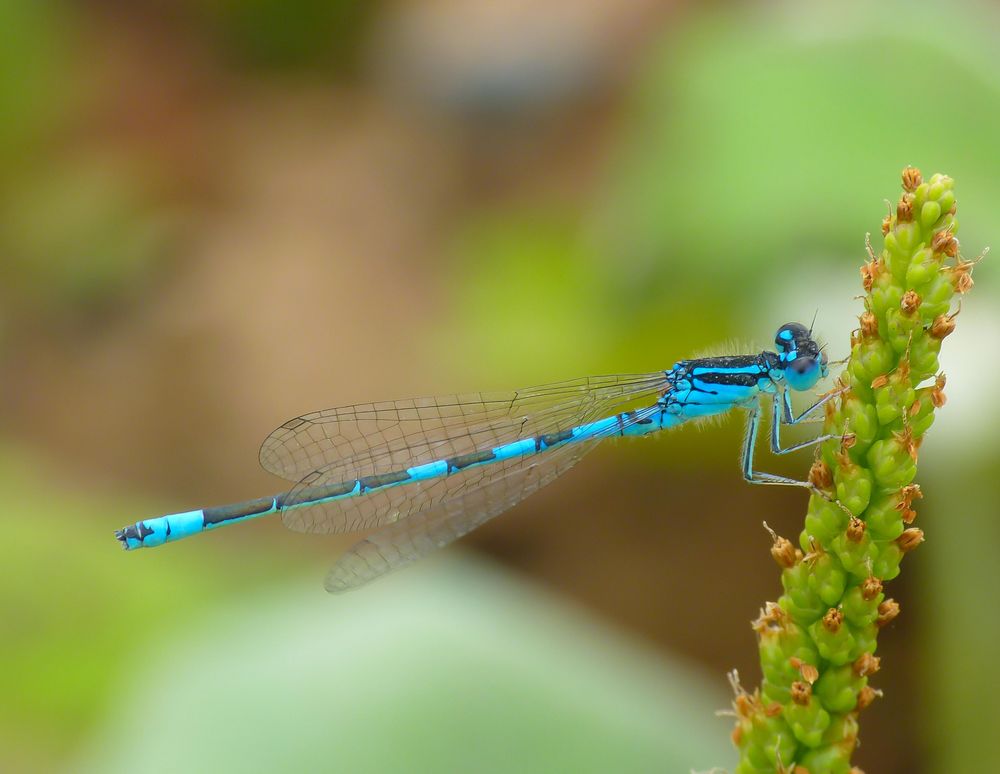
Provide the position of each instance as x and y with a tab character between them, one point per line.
523	273
102	246
446	667
80	609
752	129
277	33
32	93
750	132
532	302
958	591
77	229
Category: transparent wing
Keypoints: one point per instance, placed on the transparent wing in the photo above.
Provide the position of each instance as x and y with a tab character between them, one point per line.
431	437
457	510
373	438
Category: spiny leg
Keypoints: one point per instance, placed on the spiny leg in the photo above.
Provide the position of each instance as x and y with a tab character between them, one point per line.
780	417
749	441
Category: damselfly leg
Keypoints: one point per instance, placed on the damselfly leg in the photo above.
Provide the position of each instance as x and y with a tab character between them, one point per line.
781	415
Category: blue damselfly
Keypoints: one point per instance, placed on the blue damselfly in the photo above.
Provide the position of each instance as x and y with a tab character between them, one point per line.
422	472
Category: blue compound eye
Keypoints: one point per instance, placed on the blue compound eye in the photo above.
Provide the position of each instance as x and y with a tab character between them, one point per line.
803	372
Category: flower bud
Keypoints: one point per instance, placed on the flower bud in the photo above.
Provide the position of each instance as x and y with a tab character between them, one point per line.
911	179
937	294
910	539
820	476
824	520
866	664
924	357
886	563
858	610
783	552
834	760
922	267
883	519
853	485
806	717
800	601
838	688
891	462
904	210
866	696
887	611
827	578
944	242
861	419
855	555
942	326
929	214
833	639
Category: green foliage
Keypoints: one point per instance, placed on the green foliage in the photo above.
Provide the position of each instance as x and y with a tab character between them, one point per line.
855	535
74	622
104	247
77	227
450	668
283	34
730	99
31	97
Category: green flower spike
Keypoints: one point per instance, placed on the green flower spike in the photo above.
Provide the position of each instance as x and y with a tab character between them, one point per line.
817	643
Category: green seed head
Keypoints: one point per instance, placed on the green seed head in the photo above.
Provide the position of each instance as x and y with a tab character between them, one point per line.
817	643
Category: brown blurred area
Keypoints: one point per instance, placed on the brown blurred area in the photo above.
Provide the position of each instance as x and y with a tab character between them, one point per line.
313	214
308	260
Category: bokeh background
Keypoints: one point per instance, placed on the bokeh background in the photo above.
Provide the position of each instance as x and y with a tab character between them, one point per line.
218	214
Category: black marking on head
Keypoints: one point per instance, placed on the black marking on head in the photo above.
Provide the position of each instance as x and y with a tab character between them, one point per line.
800	357
382	479
473	458
236	511
791	336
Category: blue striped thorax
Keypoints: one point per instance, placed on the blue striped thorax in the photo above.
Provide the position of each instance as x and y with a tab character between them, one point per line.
713	385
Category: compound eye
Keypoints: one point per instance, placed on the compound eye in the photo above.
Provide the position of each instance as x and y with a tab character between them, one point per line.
803	373
802	365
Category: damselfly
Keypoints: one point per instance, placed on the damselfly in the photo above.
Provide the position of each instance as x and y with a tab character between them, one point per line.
423	472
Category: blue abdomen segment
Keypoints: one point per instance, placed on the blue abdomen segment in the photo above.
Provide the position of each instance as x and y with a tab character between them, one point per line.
155	532
165	529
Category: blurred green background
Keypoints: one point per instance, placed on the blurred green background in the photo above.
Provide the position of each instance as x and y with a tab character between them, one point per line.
217	214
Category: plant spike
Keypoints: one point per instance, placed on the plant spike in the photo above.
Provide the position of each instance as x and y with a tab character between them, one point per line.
817	643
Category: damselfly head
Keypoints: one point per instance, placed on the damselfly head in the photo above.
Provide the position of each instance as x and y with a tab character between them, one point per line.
802	359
